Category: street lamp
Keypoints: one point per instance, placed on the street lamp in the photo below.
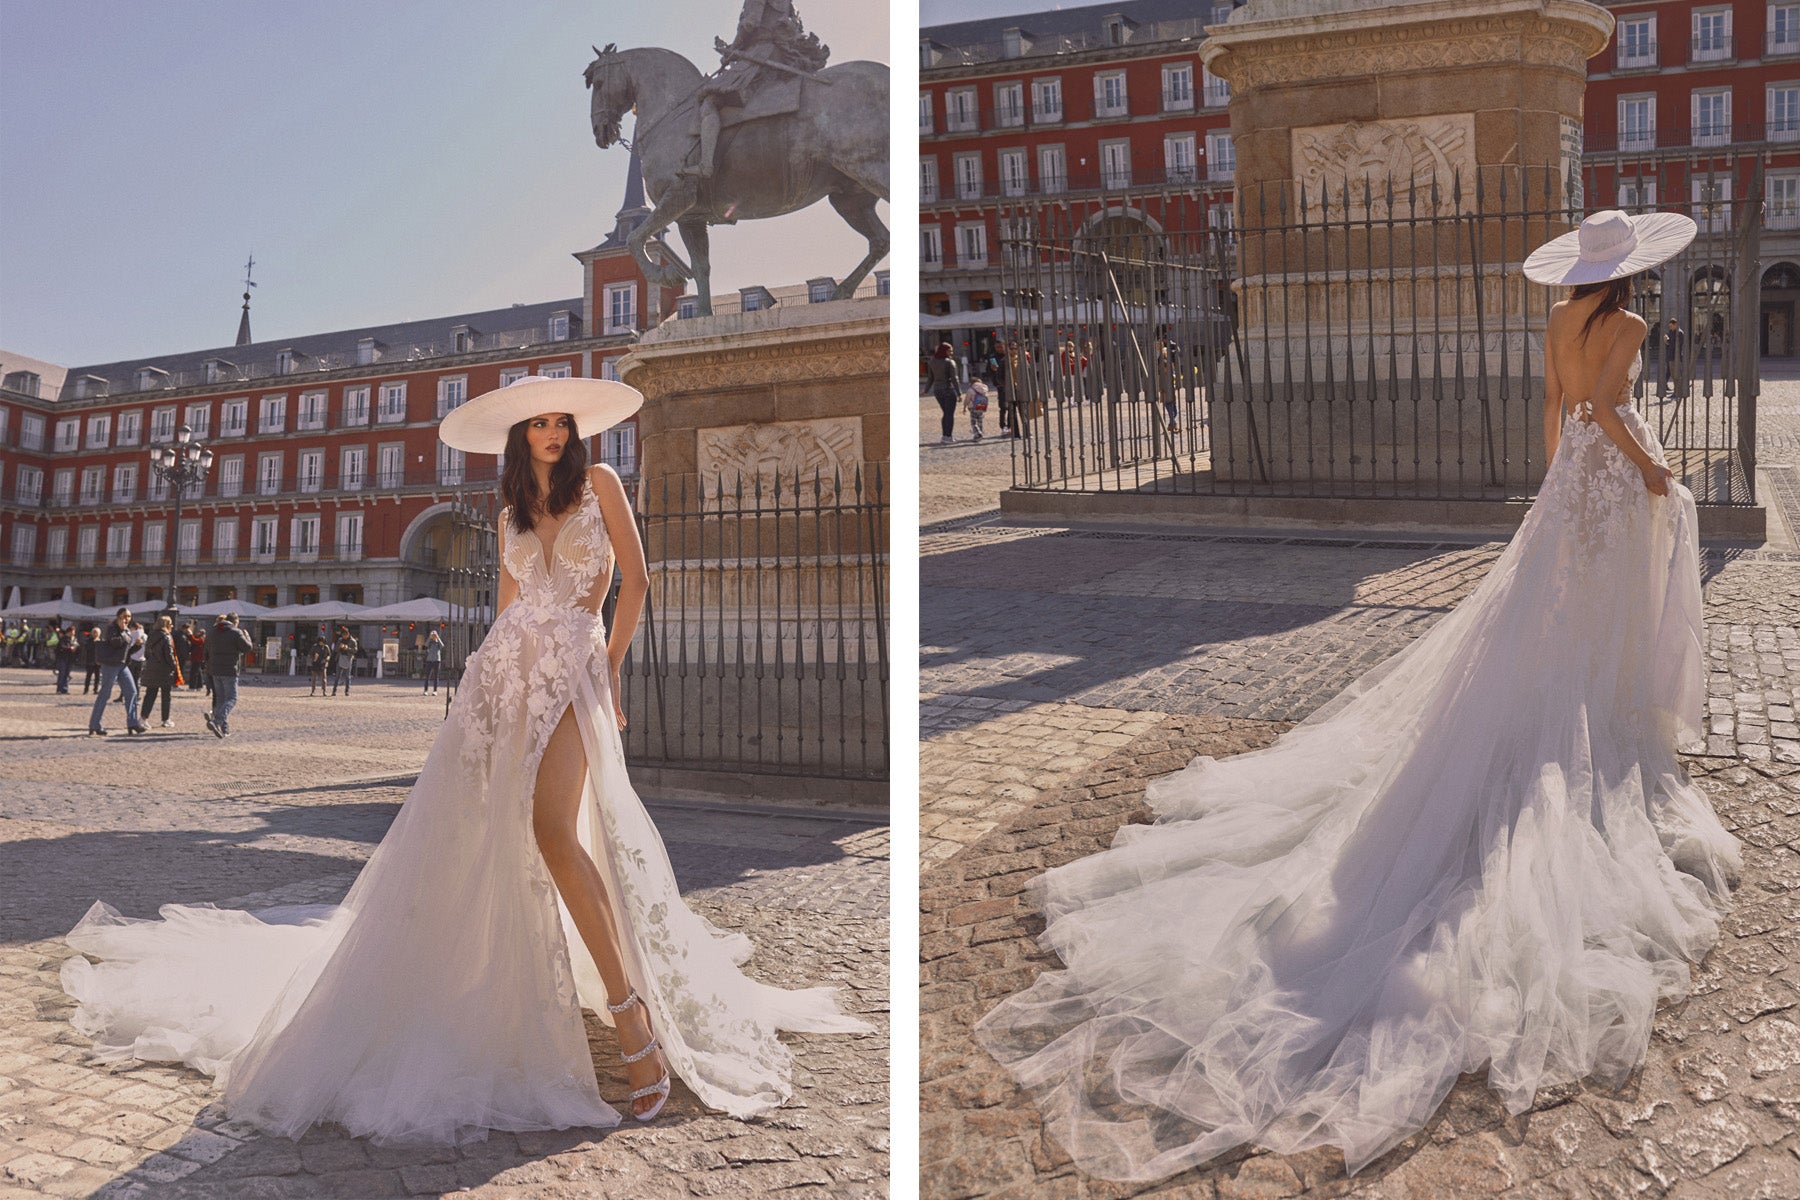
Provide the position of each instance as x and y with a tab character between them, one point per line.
187	461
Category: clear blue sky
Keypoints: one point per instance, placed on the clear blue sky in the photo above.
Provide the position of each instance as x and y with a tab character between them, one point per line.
949	12
384	161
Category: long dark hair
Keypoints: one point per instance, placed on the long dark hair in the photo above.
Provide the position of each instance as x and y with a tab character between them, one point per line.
1614	294
518	486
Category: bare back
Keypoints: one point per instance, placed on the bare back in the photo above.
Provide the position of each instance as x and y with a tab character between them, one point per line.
1598	366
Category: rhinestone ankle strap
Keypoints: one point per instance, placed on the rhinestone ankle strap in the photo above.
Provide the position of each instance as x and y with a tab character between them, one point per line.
624	1004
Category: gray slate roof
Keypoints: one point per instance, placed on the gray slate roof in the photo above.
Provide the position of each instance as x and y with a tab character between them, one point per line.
1085	19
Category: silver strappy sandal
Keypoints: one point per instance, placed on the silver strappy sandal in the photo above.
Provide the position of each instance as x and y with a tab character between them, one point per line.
660	1088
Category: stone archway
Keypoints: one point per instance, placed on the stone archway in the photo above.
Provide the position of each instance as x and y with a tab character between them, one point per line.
1778	334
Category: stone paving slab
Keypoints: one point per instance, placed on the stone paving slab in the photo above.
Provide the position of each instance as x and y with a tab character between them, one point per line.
175	817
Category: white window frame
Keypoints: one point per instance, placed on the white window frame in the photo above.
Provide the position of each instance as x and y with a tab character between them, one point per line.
31	432
971	244
162	425
303	537
561	370
1047	100
268	474
393	404
513	374
234	418
231	476
62	487
925	124
225	539
271	413
451	466
1053	169
1111	100
118	544
56	546
353	468
1712	213
1214	92
348	544
931	247
559	327
87	545
93	485
1009	104
154	533
390	470
1637	139
356	407
1178	87
1015	171
618	448
1708	131
1719	51
928	179
1781	206
619	303
99	431
24	544
309	470
962	110
198	417
309	412
1636	51
1221	155
452	393
68	435
968	175
1115	163
1786	126
1636	192
131	428
187	541
1181	158
1783	23
265	534
125	478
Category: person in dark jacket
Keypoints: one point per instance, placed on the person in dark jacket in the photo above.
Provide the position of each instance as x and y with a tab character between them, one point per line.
319	663
225	649
343	658
115	645
197	675
67	649
160	669
90	662
434	661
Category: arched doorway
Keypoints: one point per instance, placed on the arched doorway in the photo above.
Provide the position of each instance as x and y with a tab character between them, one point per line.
1780	295
1709	309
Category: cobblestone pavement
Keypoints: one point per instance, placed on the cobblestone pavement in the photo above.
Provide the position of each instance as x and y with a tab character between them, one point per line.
1063	669
285	812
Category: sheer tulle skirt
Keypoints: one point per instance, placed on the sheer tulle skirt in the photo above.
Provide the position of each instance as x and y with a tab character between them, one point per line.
443	997
1483	852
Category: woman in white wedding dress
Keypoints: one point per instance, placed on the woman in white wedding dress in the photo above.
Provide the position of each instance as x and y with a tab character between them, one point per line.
521	882
1482	854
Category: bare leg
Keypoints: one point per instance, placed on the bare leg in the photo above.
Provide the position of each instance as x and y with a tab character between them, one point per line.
555	803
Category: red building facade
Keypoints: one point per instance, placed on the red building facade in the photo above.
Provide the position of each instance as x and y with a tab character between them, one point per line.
1077	107
328	482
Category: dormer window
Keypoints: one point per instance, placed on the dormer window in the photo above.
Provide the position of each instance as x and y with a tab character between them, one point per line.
755	298
368	350
927	56
217	370
818	291
1012	43
150	378
1114	28
87	387
881	284
559	326
284	362
687	307
25	383
462	339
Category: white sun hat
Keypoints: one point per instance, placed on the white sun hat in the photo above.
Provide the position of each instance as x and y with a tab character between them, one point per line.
481	425
1610	245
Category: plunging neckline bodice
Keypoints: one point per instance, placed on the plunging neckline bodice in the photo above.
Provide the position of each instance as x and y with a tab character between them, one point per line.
561	571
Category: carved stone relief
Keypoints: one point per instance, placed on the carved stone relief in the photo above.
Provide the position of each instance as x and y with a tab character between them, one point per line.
1412	154
1388	51
830	447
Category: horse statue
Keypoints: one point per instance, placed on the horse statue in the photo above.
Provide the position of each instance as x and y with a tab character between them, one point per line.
826	137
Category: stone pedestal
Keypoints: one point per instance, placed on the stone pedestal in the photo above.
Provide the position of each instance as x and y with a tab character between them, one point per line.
760	443
1378	143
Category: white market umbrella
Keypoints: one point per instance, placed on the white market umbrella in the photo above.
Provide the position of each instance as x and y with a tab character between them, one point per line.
12	601
218	608
425	608
326	610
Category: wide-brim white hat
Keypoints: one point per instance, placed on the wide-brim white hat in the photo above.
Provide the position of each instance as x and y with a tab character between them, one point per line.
481	425
1610	245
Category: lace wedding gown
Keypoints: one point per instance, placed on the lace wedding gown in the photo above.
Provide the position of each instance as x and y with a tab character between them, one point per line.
443	997
1482	852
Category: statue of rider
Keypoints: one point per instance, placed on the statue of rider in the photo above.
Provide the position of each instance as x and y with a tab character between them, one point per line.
770	40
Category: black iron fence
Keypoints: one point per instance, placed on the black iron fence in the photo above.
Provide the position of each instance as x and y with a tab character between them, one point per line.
1353	339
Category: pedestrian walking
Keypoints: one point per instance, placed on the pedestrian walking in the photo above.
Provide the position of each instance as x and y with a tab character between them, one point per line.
198	676
113	648
434	661
943	381
134	658
90	644
343	659
1674	348
318	663
162	670
68	648
225	650
978	406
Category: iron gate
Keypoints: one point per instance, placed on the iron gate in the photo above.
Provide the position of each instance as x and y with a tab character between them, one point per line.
1353	340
